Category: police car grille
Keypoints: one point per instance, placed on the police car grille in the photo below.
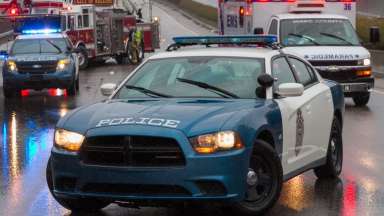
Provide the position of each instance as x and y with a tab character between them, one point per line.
37	68
132	151
334	63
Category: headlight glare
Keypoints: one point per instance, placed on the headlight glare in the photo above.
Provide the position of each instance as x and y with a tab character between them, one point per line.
12	66
68	140
367	62
221	141
62	64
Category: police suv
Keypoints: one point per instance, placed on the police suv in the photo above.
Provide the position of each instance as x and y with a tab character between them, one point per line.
223	123
40	59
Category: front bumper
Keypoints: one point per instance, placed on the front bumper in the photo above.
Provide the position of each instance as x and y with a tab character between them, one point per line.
38	81
219	177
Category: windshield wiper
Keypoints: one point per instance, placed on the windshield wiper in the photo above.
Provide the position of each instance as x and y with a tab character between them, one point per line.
54	45
217	90
147	91
305	37
337	37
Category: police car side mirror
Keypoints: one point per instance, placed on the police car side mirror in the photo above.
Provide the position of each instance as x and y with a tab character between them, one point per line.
290	90
107	89
265	80
3	54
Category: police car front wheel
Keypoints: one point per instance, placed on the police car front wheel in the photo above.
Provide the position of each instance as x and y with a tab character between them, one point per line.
333	167
264	181
74	204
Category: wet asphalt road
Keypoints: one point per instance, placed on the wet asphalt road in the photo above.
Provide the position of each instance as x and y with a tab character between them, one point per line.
27	126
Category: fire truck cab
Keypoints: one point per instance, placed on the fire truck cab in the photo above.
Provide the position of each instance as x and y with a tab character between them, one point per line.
321	31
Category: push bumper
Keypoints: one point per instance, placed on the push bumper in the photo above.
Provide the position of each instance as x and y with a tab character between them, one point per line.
218	177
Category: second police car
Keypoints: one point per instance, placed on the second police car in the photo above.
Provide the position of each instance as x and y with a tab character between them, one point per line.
40	59
227	124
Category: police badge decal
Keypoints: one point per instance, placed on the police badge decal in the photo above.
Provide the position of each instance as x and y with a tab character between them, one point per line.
299	132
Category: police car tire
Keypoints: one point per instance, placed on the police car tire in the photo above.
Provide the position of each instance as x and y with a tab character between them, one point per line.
72	89
83	52
264	151
74	204
330	169
361	99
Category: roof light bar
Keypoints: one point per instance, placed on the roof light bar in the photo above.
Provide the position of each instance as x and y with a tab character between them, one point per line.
40	31
235	40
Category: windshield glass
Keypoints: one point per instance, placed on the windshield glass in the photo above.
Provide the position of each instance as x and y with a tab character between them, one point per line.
172	78
318	32
48	45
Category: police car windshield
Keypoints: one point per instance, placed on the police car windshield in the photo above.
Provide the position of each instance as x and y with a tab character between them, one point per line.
203	77
318	32
44	45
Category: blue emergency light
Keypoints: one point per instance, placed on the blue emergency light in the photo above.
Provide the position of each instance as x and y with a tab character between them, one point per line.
226	39
38	24
40	31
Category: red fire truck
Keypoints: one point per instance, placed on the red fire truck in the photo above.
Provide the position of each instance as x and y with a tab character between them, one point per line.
99	28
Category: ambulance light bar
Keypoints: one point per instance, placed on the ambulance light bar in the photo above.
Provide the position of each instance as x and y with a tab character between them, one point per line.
263	40
40	31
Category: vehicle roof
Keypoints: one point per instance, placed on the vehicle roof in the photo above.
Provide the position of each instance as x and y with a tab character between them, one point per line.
249	52
309	16
38	36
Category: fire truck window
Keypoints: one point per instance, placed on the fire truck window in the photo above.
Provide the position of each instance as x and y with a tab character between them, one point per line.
64	23
273	28
79	21
71	22
85	18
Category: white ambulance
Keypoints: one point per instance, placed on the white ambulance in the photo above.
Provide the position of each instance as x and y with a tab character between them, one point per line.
321	31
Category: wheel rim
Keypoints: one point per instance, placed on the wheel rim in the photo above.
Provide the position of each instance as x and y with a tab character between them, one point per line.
335	150
259	187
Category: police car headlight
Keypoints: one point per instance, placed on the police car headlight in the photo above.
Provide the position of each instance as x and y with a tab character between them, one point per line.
68	140
62	64
220	141
12	66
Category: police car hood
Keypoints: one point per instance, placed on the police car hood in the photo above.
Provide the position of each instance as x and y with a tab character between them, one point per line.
329	53
192	116
35	57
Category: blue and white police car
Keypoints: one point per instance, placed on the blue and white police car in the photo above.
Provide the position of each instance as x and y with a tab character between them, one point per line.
40	59
219	123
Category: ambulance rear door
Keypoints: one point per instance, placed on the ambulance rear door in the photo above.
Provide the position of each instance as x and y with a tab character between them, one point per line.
235	17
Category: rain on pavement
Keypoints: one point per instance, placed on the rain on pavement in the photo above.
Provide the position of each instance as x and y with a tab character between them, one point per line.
27	127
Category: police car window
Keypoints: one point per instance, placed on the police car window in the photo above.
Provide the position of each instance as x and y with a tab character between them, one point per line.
282	72
273	27
236	75
302	71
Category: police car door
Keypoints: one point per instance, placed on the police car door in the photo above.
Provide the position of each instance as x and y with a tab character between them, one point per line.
317	114
299	144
